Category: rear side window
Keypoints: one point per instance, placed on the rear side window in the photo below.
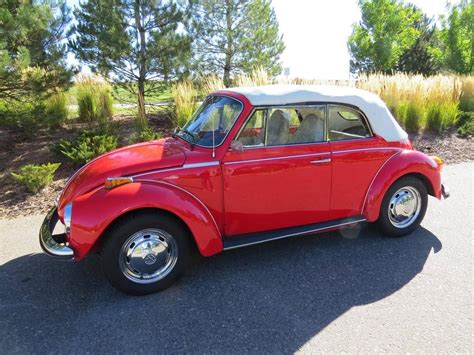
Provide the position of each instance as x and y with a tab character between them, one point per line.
346	123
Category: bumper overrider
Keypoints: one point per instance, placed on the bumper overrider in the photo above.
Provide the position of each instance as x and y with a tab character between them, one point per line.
445	191
55	245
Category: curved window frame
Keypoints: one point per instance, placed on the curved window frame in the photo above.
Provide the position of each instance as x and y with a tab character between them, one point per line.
230	129
305	105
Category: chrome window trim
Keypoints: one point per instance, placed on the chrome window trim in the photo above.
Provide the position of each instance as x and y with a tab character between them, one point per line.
364	149
276	158
233	124
302	105
364	117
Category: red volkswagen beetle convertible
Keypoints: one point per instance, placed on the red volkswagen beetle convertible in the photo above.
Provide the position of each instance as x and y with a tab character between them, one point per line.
252	165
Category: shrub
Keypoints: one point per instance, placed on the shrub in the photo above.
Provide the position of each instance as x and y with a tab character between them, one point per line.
86	147
35	177
466	122
145	135
94	100
434	118
184	96
56	110
413	120
466	101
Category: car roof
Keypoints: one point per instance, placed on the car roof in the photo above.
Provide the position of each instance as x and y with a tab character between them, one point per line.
379	116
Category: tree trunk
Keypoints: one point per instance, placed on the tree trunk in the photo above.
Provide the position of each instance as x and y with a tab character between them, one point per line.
229	44
141	115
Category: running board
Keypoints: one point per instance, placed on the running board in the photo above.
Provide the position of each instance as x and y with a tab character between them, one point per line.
243	240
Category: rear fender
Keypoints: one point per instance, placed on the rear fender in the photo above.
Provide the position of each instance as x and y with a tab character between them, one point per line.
404	163
93	212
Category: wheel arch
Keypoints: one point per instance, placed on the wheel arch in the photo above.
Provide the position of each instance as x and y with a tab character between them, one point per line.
97	211
406	163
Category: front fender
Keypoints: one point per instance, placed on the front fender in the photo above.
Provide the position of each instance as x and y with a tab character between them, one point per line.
93	212
404	163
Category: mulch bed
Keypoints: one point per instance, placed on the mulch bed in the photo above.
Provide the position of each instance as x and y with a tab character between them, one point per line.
17	149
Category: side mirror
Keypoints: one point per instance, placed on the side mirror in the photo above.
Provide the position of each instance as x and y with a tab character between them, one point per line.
237	146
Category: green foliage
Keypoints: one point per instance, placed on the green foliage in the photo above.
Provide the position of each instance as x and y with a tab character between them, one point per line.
56	111
94	100
414	115
86	147
139	42
384	34
424	56
458	38
32	58
466	124
236	36
145	135
35	177
434	118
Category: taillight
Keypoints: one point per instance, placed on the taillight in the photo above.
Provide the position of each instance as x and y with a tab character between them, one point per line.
439	162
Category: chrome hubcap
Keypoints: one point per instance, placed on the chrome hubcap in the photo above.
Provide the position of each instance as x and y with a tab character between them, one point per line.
404	207
148	256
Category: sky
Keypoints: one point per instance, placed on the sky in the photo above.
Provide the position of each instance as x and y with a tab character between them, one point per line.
315	33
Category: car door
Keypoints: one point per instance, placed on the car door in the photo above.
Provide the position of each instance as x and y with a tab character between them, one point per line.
281	177
357	156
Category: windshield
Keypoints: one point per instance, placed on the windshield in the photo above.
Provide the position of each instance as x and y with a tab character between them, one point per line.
212	122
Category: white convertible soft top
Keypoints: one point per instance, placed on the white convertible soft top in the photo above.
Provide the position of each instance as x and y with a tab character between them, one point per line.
380	118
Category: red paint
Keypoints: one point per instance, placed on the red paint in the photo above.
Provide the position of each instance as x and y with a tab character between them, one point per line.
240	192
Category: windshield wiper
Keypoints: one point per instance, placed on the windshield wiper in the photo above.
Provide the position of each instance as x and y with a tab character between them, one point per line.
190	134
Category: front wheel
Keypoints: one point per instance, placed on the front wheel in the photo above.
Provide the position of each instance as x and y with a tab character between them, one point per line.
145	253
403	207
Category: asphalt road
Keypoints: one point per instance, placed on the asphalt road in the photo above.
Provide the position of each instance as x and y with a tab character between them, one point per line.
325	293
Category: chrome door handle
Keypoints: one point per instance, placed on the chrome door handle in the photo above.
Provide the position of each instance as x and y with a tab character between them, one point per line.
321	161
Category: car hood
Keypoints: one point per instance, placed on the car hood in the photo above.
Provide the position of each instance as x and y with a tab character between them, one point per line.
126	161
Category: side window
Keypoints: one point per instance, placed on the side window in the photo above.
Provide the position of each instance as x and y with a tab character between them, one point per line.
346	123
253	133
284	126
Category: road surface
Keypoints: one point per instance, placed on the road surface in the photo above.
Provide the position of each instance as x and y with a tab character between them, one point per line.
327	293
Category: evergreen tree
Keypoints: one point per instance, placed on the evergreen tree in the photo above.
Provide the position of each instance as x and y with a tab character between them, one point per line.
32	50
233	36
137	43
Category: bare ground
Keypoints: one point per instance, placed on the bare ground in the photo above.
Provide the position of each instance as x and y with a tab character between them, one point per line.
18	149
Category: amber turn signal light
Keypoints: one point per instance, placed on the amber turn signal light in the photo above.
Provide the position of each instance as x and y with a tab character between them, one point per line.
113	182
439	162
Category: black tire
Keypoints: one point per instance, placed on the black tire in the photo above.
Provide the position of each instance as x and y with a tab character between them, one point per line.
120	234
384	222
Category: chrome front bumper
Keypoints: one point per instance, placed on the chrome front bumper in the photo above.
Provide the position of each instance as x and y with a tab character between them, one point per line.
55	245
445	191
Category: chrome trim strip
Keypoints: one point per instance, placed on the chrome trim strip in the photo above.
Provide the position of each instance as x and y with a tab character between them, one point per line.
276	158
296	234
365	149
185	166
190	194
373	179
321	161
199	165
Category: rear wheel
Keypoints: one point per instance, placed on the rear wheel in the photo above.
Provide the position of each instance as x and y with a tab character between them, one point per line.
146	253
403	207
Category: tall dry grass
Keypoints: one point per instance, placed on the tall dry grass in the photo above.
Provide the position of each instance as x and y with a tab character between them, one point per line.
259	76
184	96
418	102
